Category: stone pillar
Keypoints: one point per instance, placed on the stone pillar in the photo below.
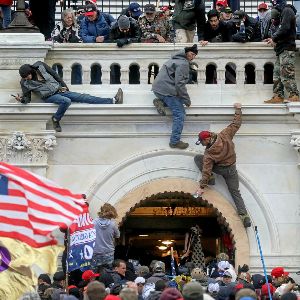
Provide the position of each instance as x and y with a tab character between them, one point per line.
295	142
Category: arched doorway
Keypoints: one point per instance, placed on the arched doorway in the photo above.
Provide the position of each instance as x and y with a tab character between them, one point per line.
158	222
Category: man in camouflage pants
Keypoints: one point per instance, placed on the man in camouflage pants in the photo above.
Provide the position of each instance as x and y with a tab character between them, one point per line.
155	27
284	44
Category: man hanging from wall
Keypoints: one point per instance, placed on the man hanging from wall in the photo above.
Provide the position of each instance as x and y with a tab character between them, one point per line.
43	81
284	44
170	89
220	157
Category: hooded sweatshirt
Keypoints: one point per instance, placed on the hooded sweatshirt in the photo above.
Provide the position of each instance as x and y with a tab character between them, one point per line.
173	77
106	232
221	152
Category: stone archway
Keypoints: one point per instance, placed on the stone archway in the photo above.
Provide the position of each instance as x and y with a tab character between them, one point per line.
223	207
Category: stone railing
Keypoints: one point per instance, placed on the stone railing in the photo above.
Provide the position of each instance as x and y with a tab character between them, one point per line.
252	62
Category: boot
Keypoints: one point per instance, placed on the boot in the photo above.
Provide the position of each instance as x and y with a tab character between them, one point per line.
56	125
119	97
246	220
275	99
294	98
159	106
179	145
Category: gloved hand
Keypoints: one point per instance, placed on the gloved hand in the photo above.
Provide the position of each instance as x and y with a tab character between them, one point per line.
122	42
239	37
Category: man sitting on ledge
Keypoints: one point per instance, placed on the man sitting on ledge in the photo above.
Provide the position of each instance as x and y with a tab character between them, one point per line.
42	80
219	157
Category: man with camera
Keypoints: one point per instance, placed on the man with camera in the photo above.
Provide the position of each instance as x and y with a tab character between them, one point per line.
40	79
125	31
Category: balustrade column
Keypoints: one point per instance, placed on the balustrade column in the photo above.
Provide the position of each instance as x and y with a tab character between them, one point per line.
259	76
124	75
105	74
144	75
67	74
220	75
86	76
240	75
201	75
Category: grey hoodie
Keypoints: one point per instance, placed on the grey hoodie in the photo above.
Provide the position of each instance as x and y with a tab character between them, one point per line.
106	232
173	77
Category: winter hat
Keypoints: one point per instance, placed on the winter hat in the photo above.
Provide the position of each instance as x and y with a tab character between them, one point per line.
198	274
170	294
221	256
45	278
264	289
140	280
123	22
278	272
193	49
263	5
213	288
192	291
25	70
245	293
159	267
58	276
275	14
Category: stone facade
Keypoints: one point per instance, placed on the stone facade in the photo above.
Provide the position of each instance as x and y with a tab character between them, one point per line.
120	154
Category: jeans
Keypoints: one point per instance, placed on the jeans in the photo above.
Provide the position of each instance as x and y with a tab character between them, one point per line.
231	178
176	106
6	11
101	260
64	101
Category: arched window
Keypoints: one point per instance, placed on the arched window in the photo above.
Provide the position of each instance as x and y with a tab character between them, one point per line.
76	74
96	74
249	74
230	73
211	74
115	74
152	72
134	74
268	73
58	68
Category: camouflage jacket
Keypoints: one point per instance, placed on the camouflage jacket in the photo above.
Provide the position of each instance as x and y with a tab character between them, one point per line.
160	25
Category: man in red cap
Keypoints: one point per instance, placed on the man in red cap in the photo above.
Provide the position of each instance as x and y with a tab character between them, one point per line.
220	157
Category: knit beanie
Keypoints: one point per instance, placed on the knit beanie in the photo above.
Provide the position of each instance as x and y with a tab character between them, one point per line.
123	22
193	49
25	70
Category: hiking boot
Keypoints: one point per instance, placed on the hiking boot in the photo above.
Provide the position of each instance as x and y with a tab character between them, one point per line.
211	180
179	145
294	98
56	125
246	220
119	97
275	99
159	106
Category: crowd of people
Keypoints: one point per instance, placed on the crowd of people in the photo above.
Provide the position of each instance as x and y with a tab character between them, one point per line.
125	280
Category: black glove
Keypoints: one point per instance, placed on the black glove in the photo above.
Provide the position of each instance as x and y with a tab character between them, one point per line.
239	37
122	42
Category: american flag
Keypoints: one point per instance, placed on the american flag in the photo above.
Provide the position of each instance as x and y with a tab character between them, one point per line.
31	207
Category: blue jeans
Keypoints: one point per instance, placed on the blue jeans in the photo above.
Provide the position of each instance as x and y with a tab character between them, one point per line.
6	11
176	106
64	101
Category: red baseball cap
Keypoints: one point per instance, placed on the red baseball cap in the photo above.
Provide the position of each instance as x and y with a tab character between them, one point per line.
88	275
264	289
262	6
278	272
222	3
202	136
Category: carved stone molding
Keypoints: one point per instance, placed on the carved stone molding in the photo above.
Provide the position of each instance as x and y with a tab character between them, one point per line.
21	148
295	142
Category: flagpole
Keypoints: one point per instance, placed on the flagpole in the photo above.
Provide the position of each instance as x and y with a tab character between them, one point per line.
67	263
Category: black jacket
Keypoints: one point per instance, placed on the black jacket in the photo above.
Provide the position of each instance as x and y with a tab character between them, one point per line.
285	36
221	34
133	34
252	32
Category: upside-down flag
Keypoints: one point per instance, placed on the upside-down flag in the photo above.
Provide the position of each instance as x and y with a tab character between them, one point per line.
31	207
